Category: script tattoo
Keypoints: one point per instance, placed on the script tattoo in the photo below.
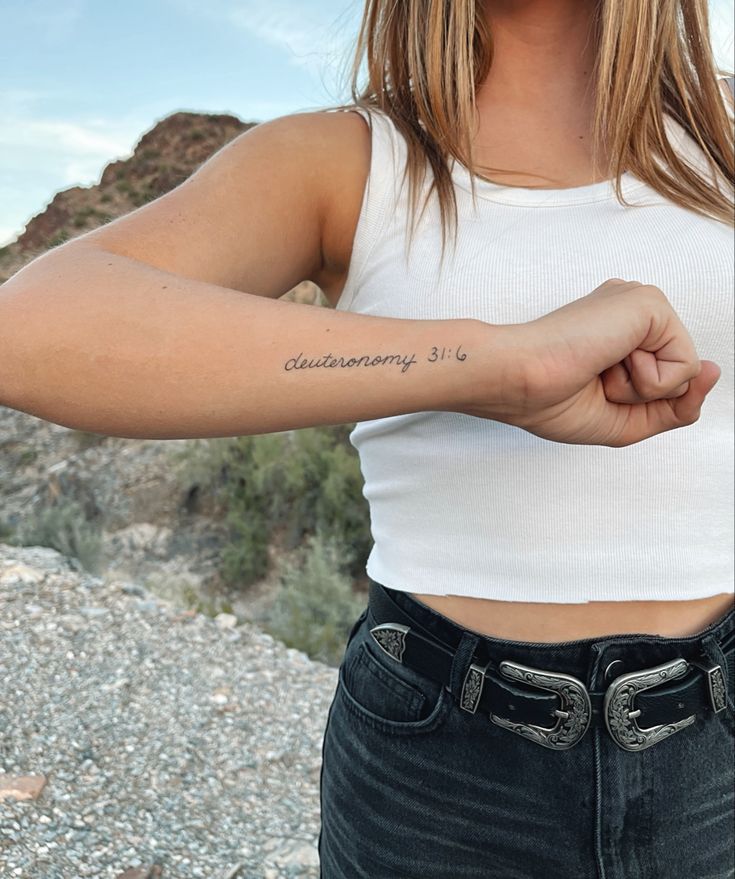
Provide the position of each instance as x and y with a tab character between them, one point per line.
330	361
446	354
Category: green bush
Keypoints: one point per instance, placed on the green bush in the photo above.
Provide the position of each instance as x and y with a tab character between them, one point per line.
143	196
315	606
298	482
82	216
60	238
27	456
192	599
65	528
86	439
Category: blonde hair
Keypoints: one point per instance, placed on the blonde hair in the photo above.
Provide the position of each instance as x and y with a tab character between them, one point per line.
426	58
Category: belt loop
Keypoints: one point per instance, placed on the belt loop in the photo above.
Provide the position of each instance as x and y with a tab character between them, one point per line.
710	648
461	662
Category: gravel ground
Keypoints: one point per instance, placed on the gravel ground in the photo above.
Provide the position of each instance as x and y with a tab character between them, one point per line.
165	744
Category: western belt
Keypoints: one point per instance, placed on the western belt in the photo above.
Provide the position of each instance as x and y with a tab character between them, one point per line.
524	699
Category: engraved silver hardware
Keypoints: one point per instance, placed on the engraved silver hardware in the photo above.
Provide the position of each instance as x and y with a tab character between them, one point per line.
472	687
391	638
620	712
573	718
608	677
715	684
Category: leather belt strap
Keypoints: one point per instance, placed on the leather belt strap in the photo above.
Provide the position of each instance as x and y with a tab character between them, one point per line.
432	657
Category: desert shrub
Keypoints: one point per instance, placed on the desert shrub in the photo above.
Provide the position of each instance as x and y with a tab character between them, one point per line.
64	527
86	439
298	482
82	216
314	606
187	595
61	237
27	456
143	196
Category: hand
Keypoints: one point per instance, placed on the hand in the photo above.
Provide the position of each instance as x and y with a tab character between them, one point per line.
612	368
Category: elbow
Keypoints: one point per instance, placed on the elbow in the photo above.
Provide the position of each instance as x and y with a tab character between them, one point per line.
15	366
12	386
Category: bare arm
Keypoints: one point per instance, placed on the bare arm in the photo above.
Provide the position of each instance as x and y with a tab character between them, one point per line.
114	346
147	327
166	324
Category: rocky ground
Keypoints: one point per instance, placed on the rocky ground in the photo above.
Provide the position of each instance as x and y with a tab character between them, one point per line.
157	527
140	741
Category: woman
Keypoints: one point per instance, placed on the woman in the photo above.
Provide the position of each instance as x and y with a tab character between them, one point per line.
542	682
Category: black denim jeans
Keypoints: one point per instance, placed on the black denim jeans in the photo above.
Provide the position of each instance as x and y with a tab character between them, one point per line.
414	787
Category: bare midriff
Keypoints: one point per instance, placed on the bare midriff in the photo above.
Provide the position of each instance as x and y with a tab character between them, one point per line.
552	622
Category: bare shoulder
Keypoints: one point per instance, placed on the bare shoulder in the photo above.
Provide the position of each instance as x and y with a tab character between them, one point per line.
347	151
275	206
336	146
329	136
333	148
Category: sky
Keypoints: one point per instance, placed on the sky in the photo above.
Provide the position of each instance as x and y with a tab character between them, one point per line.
83	80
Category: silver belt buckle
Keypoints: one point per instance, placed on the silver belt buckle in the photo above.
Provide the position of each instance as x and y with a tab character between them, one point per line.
573	716
620	712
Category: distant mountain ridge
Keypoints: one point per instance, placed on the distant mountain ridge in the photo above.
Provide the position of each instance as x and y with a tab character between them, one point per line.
164	156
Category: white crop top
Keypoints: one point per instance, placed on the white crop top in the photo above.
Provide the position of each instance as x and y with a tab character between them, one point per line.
460	505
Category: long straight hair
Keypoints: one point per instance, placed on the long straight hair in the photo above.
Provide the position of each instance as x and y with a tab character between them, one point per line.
426	58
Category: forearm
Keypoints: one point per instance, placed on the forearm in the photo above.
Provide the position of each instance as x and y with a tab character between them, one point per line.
104	343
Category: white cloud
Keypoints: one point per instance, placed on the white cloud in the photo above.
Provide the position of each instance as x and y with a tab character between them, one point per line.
62	137
308	32
68	153
13	98
285	27
8	234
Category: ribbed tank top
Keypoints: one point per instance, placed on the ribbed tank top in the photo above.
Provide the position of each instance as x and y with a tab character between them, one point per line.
460	505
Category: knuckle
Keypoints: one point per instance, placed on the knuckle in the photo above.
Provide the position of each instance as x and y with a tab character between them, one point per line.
648	393
652	290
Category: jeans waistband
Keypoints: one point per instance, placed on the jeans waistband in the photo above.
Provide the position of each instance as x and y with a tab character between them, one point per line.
632	651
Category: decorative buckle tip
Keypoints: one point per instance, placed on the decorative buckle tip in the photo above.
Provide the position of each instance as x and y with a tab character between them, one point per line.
391	638
472	687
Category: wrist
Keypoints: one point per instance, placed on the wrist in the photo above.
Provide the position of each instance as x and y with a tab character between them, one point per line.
496	384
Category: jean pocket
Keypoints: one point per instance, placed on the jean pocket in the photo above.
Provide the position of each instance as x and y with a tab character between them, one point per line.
388	694
356	625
